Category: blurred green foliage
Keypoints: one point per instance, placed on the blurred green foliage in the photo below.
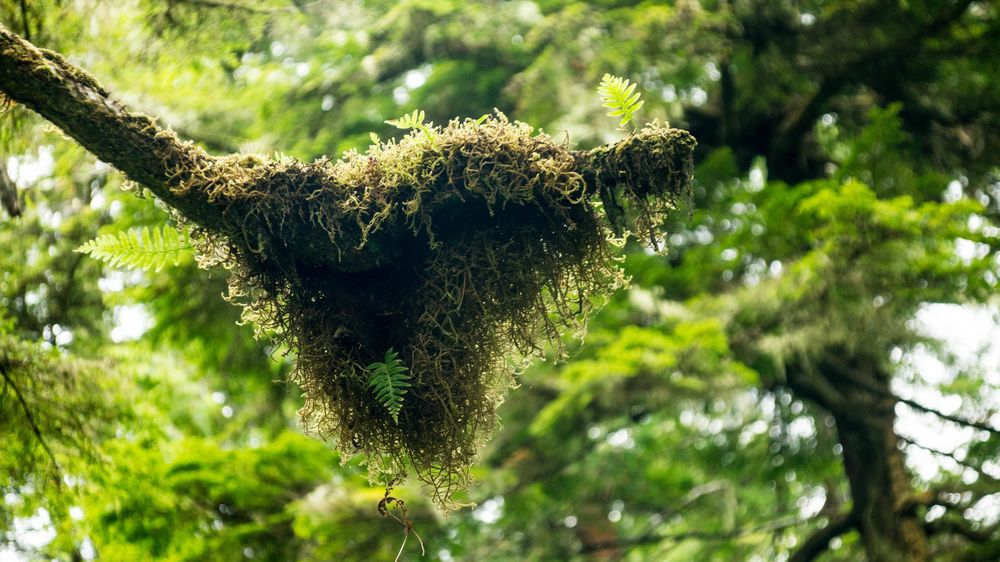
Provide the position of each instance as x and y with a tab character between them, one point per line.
847	177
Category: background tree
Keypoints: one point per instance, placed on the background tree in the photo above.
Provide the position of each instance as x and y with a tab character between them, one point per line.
741	401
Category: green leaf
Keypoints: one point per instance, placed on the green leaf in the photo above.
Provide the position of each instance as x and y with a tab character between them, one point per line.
140	248
389	381
619	95
413	120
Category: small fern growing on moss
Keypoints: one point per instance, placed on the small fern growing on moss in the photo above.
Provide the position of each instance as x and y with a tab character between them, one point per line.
140	248
389	381
415	120
619	95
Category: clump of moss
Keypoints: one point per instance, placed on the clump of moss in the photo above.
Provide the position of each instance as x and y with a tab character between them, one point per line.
468	246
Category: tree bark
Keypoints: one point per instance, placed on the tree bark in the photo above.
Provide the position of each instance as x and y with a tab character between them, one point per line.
857	394
880	488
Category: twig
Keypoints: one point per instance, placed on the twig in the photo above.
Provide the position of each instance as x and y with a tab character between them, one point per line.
385	506
227	6
30	418
959	527
951	456
778	524
24	20
918	406
8	192
819	542
951	418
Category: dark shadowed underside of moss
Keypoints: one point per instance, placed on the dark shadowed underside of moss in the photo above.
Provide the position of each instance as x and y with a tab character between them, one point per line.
504	247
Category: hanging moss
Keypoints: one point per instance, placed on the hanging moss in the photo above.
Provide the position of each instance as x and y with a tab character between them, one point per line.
462	249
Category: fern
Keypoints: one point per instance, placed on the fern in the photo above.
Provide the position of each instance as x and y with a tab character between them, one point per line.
619	95
415	120
389	381
140	248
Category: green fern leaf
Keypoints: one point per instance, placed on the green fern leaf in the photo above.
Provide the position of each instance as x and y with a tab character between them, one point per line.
413	120
389	381
619	95
141	248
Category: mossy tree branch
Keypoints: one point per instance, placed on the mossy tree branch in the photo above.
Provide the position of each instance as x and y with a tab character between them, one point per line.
70	98
457	245
204	189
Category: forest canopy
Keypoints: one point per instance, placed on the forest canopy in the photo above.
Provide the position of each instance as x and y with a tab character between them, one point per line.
800	367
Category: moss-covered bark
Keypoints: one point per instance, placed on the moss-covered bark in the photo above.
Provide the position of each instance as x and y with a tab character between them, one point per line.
74	101
212	192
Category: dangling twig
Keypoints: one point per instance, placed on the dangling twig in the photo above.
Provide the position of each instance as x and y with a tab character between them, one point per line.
31	421
385	506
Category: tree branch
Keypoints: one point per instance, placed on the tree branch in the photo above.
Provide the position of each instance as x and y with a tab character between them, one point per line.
29	417
952	456
74	101
804	379
953	419
818	542
954	526
778	524
8	192
884	393
24	19
232	6
250	200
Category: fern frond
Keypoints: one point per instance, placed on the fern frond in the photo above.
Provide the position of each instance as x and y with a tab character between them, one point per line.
140	248
413	120
619	95
389	381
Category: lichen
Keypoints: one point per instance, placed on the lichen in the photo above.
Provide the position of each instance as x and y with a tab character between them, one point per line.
489	243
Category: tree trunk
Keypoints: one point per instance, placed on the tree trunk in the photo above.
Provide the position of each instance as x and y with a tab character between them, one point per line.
857	393
880	488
